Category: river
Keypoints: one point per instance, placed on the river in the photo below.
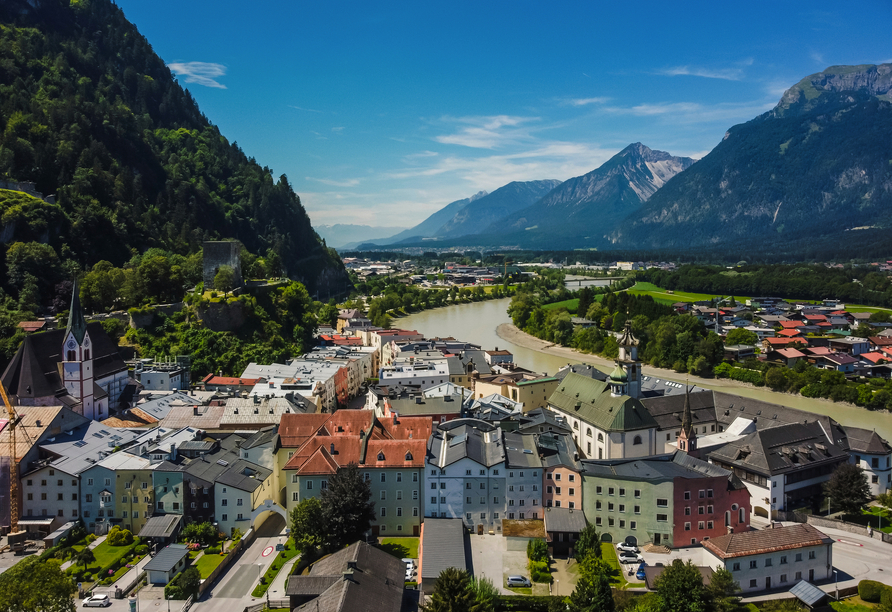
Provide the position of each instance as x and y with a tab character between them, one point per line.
477	323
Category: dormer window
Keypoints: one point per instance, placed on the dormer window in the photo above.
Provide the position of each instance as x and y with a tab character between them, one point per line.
408	456
380	455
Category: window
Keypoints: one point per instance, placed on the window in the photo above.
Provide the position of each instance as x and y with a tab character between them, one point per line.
535	487
709	493
637	509
811	554
442	500
482	485
600	437
442	485
572	477
610	507
753	564
783	578
433	500
783	560
687	495
496	473
89	482
709	524
709	509
309	485
700	525
662	503
735	567
414	476
610	490
383	512
399	476
294	478
415	494
622	492
89	497
572	491
753	584
161	505
383	495
687	526
483	472
383	475
798	575
798	557
633	524
636	440
662	518
701	493
599	490
768	562
238	502
597	505
687	511
557	476
598	521
225	502
700	510
295	496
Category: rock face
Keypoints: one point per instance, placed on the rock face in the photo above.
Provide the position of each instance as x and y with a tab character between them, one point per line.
584	209
817	164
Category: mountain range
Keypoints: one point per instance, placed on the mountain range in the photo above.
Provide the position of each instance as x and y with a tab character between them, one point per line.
814	168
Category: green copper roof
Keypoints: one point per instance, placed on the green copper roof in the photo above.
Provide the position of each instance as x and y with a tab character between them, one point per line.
77	325
597	407
618	374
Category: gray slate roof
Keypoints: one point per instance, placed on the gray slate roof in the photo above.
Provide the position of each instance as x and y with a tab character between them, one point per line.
244	475
443	546
84	446
167	558
521	451
565	520
460	438
658	467
161	526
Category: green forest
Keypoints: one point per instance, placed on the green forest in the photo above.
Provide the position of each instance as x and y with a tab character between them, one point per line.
91	115
861	284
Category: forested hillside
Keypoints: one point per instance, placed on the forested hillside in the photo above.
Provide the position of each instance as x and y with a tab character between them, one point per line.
89	113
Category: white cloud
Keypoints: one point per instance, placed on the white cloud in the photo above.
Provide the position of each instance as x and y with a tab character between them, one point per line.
817	57
200	73
586	101
727	74
420	155
337	129
334	183
300	108
486	132
695	112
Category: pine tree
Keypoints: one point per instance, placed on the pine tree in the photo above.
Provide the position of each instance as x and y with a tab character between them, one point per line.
592	594
847	489
454	592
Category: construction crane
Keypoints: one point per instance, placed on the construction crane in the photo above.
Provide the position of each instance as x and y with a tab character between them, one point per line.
13	463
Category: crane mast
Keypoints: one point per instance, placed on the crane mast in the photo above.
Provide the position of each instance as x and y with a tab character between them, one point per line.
13	463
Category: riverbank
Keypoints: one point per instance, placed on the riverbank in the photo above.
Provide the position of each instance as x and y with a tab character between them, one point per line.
847	414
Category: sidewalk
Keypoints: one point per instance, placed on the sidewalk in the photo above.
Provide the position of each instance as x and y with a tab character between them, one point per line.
277	588
91	546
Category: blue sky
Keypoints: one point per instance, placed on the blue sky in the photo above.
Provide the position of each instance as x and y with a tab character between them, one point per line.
381	113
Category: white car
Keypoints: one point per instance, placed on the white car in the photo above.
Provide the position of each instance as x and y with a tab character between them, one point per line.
625	547
97	601
630	557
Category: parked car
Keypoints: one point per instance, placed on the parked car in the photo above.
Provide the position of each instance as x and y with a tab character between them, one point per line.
518	581
640	573
97	601
623	546
630	557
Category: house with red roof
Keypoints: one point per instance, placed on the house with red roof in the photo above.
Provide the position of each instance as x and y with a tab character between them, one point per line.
231	384
789	333
390	454
786	356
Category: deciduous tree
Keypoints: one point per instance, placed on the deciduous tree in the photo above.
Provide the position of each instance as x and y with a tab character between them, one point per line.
848	489
33	585
308	525
347	507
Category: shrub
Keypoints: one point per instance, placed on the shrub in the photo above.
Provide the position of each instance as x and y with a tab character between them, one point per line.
91	538
886	597
539	572
537	550
871	590
142	549
119	537
530	603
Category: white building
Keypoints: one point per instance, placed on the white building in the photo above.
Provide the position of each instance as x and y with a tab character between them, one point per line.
869	451
524	476
161	376
773	558
465	475
419	373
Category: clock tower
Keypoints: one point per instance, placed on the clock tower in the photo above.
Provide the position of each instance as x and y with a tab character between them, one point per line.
77	360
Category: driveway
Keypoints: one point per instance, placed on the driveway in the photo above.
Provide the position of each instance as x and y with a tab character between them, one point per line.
490	558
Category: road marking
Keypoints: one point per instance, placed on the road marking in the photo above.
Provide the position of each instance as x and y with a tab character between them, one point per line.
267	551
852	543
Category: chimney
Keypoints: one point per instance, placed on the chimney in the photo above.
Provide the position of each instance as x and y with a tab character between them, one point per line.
348	573
394	415
195	411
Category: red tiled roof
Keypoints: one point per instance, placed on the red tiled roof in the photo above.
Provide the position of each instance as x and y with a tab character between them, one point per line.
791	324
790	353
874	357
789	333
880	341
815	318
230	380
765	541
31	326
782	341
819	350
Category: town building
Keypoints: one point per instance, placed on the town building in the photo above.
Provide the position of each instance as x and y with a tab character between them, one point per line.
673	500
529	389
390	453
443	544
464	474
773	558
561	471
524	476
162	376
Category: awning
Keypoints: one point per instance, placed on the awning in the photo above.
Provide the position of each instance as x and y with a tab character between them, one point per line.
41	522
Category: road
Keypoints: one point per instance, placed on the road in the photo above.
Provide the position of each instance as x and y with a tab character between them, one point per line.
232	592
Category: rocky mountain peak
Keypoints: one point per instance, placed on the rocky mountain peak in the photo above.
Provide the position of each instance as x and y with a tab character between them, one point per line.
872	79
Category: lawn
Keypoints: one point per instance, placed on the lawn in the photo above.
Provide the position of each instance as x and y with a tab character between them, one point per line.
608	554
273	571
401	548
663	296
853	604
105	554
570	305
877	517
208	563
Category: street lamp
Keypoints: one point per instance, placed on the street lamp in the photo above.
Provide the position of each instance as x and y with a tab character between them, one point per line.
168	602
836	580
557	587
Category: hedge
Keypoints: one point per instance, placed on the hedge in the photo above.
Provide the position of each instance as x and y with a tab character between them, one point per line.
530	603
539	572
871	590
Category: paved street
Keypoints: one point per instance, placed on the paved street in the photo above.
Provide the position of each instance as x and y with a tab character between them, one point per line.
233	589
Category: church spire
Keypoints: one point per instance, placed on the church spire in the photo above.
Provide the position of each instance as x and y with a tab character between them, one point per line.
77	325
687	439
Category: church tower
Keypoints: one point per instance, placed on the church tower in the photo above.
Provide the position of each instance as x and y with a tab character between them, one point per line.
77	359
628	361
687	439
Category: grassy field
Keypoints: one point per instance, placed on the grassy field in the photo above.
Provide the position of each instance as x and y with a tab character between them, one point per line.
570	305
105	554
208	563
852	604
608	554
662	296
401	548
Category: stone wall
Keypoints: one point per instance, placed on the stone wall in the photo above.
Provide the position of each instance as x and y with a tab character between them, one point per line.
820	521
222	316
217	254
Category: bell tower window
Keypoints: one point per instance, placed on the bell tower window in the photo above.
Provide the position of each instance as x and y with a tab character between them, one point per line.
72	356
86	354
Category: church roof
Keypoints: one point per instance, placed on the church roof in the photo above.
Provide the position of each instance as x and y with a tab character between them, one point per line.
77	325
33	371
618	374
591	401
